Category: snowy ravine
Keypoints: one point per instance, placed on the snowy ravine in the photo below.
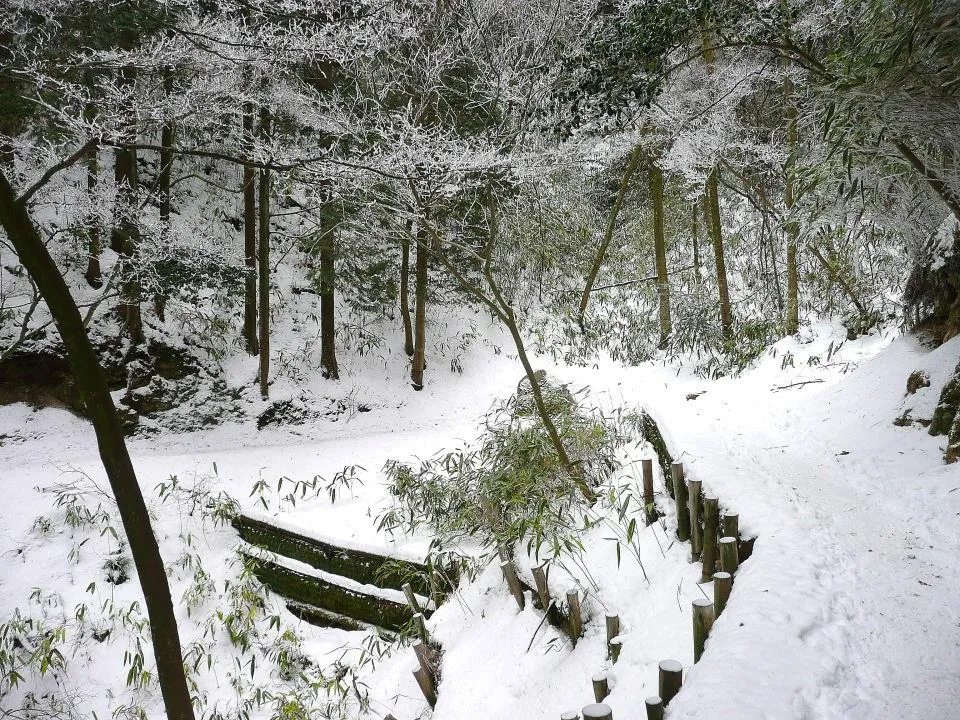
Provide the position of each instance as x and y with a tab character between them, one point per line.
846	609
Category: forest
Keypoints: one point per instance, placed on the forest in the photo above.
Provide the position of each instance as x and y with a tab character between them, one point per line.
459	358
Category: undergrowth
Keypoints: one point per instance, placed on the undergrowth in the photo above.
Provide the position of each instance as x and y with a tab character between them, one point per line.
510	486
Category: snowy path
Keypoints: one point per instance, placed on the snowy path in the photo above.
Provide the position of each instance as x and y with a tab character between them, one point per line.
850	604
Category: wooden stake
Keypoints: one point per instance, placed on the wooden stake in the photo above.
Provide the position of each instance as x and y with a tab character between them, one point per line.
615	646
510	574
601	688
654	707
426	687
421	626
597	712
570	715
680	494
671	680
731	525
702	622
694	488
613	629
576	619
423	657
411	599
711	521
648	500
540	580
729	559
722	584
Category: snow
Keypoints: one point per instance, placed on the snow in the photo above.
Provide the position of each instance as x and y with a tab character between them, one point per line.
846	609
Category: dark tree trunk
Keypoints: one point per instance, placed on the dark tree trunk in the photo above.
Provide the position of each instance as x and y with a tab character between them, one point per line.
420	319
405	291
655	175
249	236
792	323
712	211
264	263
695	230
93	274
163	183
328	348
166	153
92	385
125	236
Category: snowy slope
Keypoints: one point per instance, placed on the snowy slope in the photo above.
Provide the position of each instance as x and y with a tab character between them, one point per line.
847	608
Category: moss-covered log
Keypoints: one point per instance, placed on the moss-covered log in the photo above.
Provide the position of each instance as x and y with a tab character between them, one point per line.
325	618
320	593
363	567
652	435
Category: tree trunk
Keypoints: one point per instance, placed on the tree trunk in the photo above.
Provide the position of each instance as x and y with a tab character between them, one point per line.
166	153
405	290
163	182
712	211
249	236
93	274
420	320
328	349
264	263
792	323
655	175
607	237
695	231
711	217
92	385
126	232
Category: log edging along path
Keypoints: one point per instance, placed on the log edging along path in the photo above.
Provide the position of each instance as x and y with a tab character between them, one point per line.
364	567
713	538
334	586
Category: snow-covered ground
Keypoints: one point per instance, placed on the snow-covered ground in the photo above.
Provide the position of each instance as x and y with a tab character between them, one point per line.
848	607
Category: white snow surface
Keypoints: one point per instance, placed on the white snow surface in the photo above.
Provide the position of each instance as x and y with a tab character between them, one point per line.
848	607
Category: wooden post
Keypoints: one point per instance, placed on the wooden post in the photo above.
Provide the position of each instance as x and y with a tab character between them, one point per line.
540	580
510	574
426	687
613	629
711	522
411	599
423	654
654	707
694	488
601	688
731	525
722	584
421	626
680	494
570	715
648	500
599	711
576	619
615	646
729	559
671	680
703	615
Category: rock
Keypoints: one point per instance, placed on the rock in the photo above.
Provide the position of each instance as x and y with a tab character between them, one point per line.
945	414
918	379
